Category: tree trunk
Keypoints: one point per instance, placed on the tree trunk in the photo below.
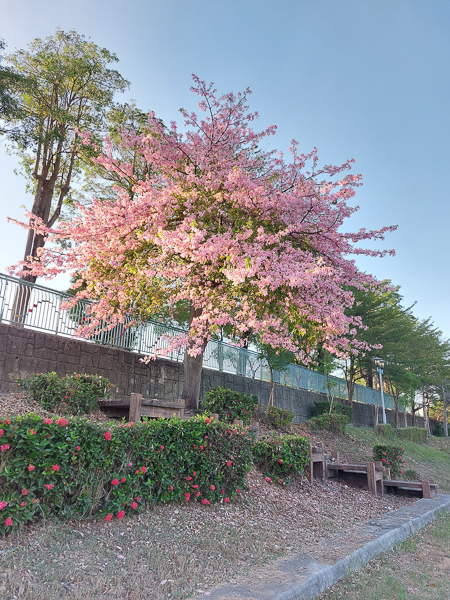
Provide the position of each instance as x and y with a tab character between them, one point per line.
272	386
425	412
445	419
405	417
396	409
192	370
376	408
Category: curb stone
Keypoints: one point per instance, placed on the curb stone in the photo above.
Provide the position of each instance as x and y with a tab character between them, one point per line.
303	576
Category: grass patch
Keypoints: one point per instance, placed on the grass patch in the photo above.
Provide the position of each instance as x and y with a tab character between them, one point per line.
414	570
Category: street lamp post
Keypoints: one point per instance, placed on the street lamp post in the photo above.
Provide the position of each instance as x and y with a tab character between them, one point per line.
380	366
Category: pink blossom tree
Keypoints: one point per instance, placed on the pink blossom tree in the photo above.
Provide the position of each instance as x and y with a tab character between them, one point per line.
246	238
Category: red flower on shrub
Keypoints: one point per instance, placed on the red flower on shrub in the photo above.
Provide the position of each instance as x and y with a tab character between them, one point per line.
229	463
30	468
8	522
23	503
238	490
5	447
383	459
206	437
207	420
48	421
55	467
280	461
62	421
134	505
268	479
171	488
188	478
49	485
222	492
187	496
115	482
25	492
78	448
121	514
143	469
195	486
123	480
197	494
3	503
201	447
162	447
226	499
108	517
66	397
212	488
205	501
194	473
384	453
1	432
32	431
107	435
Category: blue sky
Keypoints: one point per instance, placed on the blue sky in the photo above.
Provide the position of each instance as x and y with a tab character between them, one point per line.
363	79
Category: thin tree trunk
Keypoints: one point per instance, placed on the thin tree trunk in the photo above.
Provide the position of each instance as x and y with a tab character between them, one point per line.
192	370
445	419
271	387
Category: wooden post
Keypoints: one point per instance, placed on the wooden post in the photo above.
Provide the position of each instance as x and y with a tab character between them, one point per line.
426	492
135	408
371	478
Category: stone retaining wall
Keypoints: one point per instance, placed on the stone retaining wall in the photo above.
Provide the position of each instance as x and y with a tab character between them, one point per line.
25	351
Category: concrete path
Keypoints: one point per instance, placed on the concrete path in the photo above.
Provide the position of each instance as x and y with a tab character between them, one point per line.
304	576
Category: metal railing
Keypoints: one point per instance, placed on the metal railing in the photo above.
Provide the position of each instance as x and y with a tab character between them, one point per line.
38	307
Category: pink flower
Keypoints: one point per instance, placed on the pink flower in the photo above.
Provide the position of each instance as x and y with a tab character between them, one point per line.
197	494
1	432
383	460
195	486
123	480
66	397
268	479
205	501
23	503
30	468
171	488
3	503
134	505
32	431
187	496
194	473
121	514
108	517
55	467
8	522
49	485
107	435
401	471
226	499
48	421
78	448
5	447
229	463
162	447
238	490
280	461
384	453
143	469
212	488
115	482
207	420
201	447
25	492
206	437
62	421
188	478
129	464
222	492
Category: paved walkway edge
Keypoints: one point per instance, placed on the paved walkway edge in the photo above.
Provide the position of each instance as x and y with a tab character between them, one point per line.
326	577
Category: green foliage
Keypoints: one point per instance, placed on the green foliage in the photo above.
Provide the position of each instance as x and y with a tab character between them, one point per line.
385	430
229	405
390	456
413	434
277	417
322	407
75	468
282	457
411	475
79	392
333	422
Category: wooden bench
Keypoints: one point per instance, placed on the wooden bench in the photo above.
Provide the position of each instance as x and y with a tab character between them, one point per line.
370	473
319	459
137	407
426	489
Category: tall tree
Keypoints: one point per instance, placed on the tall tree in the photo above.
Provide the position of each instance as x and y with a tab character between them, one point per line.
71	87
246	238
13	119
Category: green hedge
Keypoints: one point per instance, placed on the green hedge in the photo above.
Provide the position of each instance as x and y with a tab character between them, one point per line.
390	456
229	405
75	467
413	434
278	417
333	422
322	407
282	457
78	393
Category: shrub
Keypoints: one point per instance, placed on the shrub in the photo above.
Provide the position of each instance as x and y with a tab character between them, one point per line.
390	456
79	392
322	407
386	430
413	434
411	475
333	422
282	457
75	468
229	405
277	417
